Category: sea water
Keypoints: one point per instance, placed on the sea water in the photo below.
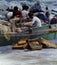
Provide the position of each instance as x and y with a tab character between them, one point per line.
4	4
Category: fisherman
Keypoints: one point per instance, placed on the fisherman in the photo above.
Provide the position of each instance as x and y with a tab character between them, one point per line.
36	22
41	16
9	15
54	20
16	17
16	12
25	12
47	14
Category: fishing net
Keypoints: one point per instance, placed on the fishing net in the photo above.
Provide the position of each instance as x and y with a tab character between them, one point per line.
5	30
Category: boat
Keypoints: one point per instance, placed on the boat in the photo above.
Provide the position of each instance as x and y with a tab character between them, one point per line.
48	32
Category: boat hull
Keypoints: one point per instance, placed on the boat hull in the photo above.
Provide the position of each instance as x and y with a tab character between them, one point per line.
48	35
15	38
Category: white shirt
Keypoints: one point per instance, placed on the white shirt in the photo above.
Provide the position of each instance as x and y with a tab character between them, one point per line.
9	14
36	21
25	14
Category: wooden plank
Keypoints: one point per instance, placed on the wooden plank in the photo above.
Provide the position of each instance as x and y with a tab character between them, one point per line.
21	44
47	43
34	44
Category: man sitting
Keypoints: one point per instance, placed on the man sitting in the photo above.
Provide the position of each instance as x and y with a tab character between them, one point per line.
36	22
54	20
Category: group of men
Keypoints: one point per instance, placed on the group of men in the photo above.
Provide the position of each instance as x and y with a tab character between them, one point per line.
35	21
25	14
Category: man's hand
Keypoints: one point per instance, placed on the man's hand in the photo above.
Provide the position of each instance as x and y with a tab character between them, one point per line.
28	24
9	24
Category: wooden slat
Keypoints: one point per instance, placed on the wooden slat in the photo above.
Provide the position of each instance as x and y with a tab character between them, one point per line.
47	43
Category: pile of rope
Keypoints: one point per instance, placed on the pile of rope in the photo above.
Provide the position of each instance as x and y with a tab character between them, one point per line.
5	31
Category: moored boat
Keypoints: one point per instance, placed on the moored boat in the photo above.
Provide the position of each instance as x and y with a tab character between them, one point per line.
46	31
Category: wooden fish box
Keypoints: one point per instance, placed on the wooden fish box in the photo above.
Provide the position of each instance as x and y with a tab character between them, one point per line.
34	44
22	44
